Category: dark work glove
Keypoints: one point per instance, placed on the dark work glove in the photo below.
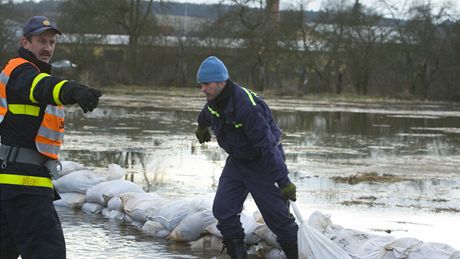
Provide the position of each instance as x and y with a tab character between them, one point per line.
203	135
289	192
87	98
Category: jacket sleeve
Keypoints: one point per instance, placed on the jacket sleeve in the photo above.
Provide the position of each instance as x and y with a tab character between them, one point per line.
257	130
36	87
204	118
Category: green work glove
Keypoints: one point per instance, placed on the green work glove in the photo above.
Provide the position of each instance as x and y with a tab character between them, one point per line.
289	192
203	135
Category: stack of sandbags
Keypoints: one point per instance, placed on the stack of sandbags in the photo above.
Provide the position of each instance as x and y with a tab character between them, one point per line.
363	245
191	220
75	180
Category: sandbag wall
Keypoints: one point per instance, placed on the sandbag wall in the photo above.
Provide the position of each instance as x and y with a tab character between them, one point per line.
191	219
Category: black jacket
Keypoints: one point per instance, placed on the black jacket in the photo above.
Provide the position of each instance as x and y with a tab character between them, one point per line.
20	130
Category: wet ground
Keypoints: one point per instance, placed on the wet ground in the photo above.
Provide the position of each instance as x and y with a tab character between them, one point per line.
380	167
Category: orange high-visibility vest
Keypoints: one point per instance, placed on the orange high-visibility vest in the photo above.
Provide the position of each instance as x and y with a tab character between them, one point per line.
50	135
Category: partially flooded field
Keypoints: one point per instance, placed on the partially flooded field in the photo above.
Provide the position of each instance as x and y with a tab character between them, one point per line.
384	167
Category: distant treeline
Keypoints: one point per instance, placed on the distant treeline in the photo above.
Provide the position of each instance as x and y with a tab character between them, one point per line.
348	48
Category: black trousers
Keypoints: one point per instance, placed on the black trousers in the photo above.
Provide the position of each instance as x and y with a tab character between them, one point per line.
30	227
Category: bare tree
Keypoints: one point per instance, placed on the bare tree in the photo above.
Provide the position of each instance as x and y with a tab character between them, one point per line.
131	17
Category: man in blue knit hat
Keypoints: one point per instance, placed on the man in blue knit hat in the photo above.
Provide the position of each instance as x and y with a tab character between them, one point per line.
244	127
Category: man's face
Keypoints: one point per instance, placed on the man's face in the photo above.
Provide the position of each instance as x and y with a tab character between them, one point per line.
41	45
212	90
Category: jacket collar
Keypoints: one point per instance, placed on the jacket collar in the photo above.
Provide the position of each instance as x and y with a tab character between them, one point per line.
29	56
221	103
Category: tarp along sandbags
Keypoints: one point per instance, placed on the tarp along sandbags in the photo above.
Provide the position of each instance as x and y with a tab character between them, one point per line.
103	192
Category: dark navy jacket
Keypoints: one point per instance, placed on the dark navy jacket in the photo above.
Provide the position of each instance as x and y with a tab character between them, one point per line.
246	130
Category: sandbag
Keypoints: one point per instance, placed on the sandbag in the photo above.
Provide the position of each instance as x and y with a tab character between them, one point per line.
202	203
155	229
114	172
192	226
323	224
267	235
70	166
375	248
115	215
350	240
207	243
93	208
136	204
249	225
434	250
103	192
171	214
78	181
313	244
71	200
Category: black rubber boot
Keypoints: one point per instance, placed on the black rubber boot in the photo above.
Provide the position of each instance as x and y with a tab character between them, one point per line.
291	250
236	248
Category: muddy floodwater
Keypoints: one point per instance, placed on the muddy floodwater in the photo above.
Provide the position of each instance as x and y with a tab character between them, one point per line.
380	167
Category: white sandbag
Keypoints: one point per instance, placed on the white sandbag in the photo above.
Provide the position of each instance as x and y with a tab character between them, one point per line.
203	203
71	200
115	172
132	201
192	226
93	208
138	205
263	250
375	248
103	192
323	224
170	214
274	254
70	166
402	247
155	229
212	230
267	235
249	225
434	250
115	215
78	181
207	243
115	203
455	255
350	240
248	221
313	244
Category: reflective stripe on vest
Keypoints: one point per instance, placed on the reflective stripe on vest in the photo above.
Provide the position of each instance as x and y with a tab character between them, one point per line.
4	77
25	180
50	135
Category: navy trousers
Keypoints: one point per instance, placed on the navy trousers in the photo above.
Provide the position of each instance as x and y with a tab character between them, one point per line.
30	227
237	180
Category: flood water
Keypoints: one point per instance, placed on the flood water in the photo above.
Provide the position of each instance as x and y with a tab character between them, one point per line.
150	133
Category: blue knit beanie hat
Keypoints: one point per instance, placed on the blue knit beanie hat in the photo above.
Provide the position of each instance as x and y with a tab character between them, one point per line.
212	70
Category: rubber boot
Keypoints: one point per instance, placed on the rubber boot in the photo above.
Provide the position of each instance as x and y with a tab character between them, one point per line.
291	250
236	248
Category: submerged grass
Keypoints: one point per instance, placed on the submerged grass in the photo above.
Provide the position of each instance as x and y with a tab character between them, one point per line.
369	177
